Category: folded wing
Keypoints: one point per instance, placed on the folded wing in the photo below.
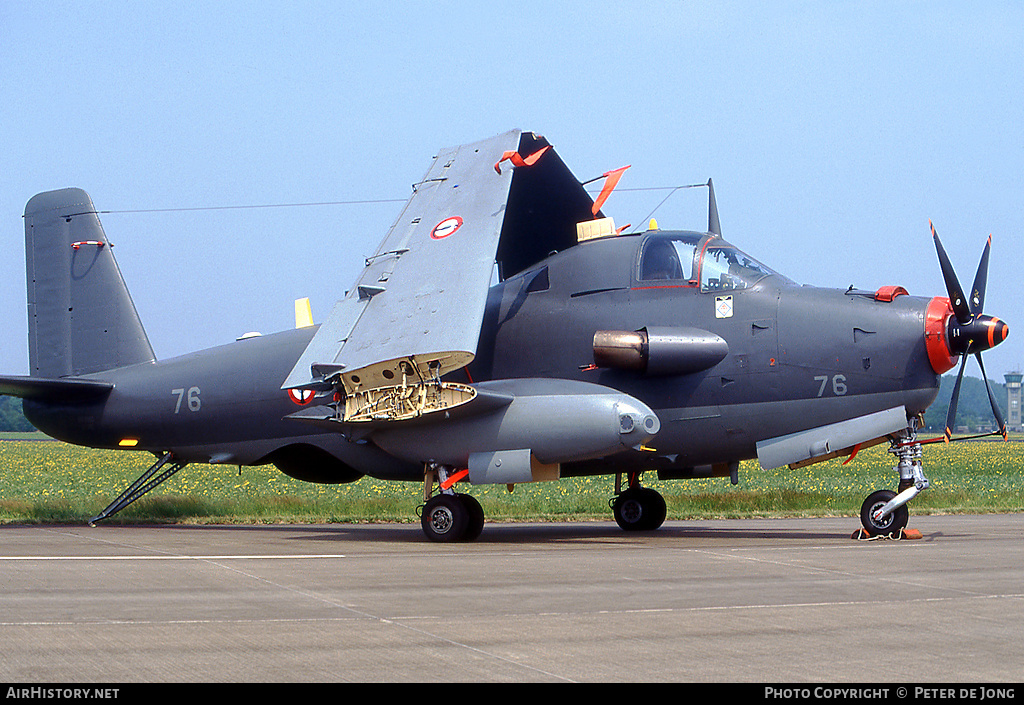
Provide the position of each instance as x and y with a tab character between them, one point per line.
415	311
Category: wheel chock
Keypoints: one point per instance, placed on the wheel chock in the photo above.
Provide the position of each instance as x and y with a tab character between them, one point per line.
903	535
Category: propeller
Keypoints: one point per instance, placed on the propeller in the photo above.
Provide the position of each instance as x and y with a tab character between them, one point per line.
969	331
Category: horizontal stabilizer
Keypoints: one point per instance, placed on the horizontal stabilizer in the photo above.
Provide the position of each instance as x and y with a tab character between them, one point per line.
54	390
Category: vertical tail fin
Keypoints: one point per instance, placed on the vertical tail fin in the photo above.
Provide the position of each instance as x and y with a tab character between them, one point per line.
81	318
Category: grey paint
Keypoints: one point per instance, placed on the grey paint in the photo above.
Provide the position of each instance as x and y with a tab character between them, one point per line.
804	445
403	304
740	354
558	420
81	318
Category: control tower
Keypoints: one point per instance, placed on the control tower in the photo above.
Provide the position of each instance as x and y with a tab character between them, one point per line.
1013	379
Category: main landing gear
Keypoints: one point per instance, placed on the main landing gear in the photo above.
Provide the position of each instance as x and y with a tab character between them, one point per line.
450	516
637	508
885	513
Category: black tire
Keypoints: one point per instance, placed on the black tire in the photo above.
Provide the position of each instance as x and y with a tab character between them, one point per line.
657	510
639	509
889	526
476	517
445	518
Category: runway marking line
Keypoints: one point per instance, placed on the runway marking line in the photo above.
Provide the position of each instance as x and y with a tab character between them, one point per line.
256	557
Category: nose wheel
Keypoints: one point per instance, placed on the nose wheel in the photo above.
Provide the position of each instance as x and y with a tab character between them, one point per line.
885	513
888	525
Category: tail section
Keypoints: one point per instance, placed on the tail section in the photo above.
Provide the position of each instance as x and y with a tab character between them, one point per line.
81	318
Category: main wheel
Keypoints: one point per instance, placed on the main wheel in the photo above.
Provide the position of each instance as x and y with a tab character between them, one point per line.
445	518
639	509
476	516
889	526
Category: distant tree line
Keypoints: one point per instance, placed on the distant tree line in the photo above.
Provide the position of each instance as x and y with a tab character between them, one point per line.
973	410
11	416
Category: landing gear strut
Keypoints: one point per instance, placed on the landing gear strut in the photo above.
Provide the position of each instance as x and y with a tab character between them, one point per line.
450	516
885	513
637	508
144	484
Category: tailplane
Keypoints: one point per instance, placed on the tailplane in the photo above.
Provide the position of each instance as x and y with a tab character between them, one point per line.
81	318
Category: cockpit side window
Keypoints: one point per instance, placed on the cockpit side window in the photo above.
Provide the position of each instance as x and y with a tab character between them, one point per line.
726	268
667	259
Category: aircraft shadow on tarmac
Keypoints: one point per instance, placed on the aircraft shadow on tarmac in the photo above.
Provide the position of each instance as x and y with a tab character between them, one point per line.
560	533
498	533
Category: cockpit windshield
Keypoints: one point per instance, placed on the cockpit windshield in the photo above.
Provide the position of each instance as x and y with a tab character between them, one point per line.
679	259
723	267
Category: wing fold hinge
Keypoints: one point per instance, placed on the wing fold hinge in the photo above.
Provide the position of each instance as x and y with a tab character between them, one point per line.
403	388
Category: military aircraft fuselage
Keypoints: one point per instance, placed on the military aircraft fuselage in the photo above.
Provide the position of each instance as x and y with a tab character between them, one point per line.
221	405
596	352
798	356
780	358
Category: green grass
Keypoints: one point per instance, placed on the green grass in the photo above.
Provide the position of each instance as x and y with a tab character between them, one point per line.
51	482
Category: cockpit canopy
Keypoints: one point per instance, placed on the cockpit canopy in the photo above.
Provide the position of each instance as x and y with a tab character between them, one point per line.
692	259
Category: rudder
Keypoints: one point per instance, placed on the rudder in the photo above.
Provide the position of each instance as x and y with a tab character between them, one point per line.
81	318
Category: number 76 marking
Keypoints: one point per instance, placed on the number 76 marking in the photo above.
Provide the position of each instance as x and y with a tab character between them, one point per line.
194	403
838	384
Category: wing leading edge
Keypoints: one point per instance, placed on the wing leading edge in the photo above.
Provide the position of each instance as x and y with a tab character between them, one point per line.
415	311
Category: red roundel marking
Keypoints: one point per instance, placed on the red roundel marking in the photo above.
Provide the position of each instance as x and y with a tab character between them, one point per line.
301	396
446	227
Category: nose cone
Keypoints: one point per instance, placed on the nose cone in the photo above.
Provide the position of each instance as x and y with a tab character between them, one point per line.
999	332
980	333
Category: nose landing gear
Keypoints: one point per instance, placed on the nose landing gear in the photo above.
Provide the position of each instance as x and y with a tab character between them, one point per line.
885	513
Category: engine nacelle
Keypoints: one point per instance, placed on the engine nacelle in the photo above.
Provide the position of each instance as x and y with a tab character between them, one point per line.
556	420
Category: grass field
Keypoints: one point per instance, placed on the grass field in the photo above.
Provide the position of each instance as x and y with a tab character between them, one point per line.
45	481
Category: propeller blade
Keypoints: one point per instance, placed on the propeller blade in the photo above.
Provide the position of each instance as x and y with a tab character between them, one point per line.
975	332
978	290
956	295
951	412
991	398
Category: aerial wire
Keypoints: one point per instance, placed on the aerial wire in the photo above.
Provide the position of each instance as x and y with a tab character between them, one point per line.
670	193
361	202
260	205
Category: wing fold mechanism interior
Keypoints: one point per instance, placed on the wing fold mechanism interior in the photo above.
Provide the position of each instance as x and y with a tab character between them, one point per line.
415	312
398	390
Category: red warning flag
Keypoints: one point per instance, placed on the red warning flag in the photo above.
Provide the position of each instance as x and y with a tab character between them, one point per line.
520	161
611	180
452	479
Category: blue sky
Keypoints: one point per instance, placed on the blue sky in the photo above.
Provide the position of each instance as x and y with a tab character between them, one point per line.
833	132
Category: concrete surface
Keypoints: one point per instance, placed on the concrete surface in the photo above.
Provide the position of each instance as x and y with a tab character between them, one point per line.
776	601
